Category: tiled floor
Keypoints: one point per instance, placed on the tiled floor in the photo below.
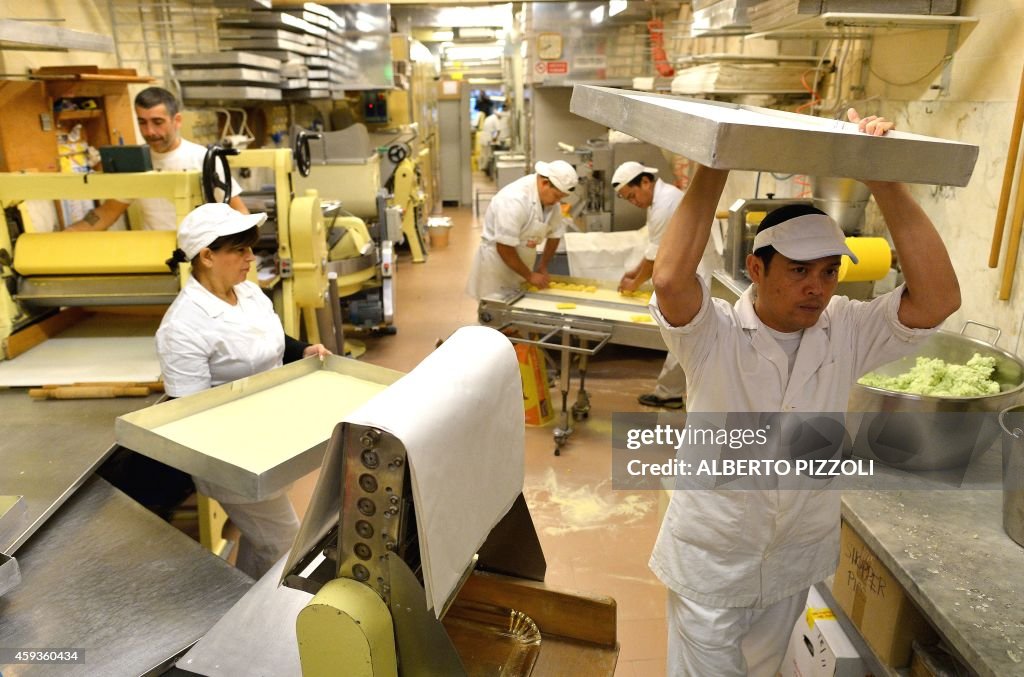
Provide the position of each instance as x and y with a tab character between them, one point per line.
596	540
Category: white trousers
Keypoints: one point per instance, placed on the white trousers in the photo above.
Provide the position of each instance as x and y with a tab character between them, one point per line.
671	380
706	641
268	530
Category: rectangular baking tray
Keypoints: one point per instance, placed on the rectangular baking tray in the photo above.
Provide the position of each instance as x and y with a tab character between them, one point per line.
733	136
257	435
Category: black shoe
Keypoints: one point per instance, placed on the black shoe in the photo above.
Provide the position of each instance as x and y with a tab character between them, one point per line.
652	400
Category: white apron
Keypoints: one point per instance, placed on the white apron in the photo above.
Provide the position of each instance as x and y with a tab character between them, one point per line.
489	273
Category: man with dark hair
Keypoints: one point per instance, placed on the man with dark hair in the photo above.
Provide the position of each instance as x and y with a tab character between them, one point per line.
638	185
159	118
521	216
738	563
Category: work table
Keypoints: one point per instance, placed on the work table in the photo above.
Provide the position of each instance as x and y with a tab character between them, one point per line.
949	552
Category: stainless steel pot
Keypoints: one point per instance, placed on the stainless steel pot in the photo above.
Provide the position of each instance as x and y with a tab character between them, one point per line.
920	432
1012	423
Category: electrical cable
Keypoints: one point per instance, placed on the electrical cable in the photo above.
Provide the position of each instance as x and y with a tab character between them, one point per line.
945	59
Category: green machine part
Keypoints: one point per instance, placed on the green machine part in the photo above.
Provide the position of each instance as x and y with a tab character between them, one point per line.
346	629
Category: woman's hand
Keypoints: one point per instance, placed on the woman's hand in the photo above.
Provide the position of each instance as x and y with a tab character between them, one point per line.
317	349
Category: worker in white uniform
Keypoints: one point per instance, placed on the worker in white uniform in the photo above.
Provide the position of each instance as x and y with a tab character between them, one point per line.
488	139
496	134
638	185
220	328
159	118
521	216
738	563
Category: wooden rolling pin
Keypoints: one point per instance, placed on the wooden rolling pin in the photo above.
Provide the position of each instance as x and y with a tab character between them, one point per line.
92	391
154	386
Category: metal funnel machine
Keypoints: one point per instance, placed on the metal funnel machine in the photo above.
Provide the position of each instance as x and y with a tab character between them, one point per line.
842	199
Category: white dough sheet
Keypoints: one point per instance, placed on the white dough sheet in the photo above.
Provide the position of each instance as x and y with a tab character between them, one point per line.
100	349
312	404
604	256
459	415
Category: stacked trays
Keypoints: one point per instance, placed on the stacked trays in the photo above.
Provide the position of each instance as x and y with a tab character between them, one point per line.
228	76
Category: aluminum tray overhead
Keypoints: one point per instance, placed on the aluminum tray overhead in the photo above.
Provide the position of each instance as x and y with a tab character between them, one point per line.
731	136
256	435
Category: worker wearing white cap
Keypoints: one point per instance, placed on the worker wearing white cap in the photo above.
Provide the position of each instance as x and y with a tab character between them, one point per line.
220	328
738	563
521	216
638	185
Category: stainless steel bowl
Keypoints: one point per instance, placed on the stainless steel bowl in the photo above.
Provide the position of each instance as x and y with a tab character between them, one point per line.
921	432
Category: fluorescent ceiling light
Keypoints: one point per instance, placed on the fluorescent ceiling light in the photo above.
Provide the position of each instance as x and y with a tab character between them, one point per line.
597	15
616	7
442	36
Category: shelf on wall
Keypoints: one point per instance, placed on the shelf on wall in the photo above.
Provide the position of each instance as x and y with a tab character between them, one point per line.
857	26
748	58
839	24
20	34
78	115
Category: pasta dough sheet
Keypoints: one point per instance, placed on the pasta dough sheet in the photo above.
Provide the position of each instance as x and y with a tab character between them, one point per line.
582	310
604	295
263	430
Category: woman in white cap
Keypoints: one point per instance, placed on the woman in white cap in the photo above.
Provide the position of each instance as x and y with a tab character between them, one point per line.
220	328
638	185
522	215
738	563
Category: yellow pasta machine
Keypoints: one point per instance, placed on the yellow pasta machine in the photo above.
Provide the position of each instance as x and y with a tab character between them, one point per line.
47	270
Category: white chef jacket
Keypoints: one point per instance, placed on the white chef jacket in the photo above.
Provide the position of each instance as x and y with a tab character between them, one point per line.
666	199
733	548
664	203
158	213
515	217
203	341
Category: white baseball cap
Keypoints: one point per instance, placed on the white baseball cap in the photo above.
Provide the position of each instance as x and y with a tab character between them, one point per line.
805	238
628	171
207	222
560	173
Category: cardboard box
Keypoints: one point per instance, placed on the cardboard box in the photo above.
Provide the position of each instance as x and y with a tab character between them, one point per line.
876	602
819	647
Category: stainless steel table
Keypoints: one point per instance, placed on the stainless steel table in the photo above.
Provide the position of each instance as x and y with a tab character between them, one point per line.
106	576
48	448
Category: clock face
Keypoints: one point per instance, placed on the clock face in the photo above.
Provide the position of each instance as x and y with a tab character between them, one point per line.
549	46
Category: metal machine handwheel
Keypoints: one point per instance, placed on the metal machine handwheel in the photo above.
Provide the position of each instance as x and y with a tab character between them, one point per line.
300	151
211	179
397	153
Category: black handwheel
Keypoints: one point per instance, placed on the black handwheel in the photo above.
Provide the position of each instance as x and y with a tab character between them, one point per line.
397	153
211	179
303	161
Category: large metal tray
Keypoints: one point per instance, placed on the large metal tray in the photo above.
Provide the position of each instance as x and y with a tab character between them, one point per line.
732	136
256	435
